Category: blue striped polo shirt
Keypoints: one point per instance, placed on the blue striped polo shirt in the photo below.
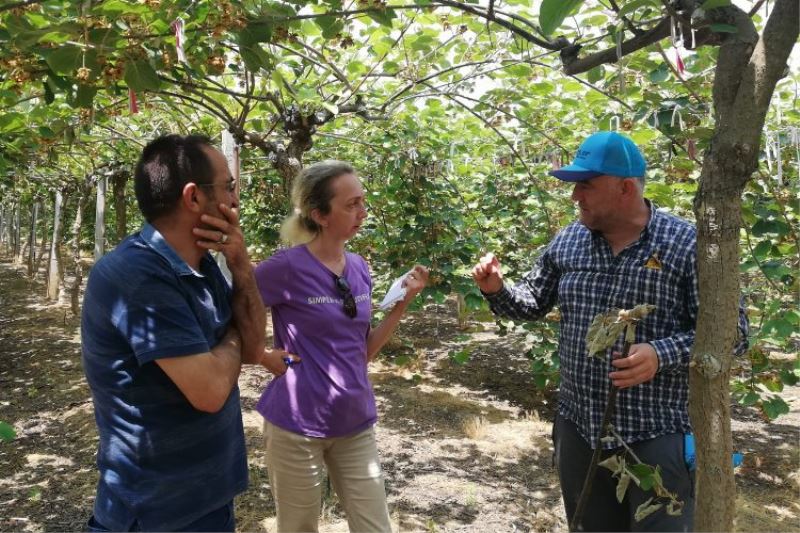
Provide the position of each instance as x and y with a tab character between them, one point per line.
163	464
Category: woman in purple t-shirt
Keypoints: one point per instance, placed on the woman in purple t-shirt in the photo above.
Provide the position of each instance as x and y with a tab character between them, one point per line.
322	411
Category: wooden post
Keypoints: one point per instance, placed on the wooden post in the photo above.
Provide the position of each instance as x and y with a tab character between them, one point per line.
53	279
18	234
3	222
231	152
43	245
100	219
32	238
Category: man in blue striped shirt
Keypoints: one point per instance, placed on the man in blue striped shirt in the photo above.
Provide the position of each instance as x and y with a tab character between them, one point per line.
622	252
164	335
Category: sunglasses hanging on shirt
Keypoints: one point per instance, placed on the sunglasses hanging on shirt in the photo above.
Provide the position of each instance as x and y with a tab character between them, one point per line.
349	302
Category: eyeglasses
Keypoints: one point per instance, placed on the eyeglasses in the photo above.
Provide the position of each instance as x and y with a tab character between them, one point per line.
343	287
229	185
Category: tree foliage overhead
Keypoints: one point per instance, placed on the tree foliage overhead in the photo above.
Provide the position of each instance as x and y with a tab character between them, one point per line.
453	111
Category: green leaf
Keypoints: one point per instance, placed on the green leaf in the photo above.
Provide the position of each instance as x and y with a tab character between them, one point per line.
460	357
330	26
633	5
46	132
474	301
11	122
723	28
713	4
49	97
762	249
762	227
779	327
85	96
141	76
115	8
660	74
7	432
540	381
774	407
255	58
383	17
65	59
772	383
789	378
520	71
255	32
751	398
596	74
643	136
333	108
553	12
645	475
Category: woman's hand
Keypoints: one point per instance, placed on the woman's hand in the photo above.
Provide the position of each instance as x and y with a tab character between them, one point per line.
415	281
278	361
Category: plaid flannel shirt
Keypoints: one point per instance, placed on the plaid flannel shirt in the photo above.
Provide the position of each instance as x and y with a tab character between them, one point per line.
578	271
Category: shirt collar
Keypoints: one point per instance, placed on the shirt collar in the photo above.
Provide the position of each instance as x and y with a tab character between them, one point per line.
651	222
153	238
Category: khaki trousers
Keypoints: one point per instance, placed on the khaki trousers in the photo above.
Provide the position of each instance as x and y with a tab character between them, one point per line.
295	465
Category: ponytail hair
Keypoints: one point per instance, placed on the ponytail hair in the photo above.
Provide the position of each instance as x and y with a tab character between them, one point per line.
311	190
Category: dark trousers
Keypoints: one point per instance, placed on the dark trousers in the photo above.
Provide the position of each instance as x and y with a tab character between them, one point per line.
603	512
221	519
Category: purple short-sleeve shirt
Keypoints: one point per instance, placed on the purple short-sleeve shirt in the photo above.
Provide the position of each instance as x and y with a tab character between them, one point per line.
329	393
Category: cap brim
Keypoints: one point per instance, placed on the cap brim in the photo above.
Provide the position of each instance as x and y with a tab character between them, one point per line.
574	173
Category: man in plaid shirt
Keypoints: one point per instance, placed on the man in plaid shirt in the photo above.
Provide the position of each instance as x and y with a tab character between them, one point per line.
622	252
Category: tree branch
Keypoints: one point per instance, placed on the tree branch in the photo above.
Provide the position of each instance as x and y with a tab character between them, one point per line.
492	17
769	60
660	31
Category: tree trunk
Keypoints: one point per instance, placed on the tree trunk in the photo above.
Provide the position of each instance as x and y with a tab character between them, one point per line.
54	270
32	239
718	212
100	219
74	287
119	179
748	68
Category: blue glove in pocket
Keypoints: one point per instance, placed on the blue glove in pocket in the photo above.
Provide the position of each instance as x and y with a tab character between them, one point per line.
689	453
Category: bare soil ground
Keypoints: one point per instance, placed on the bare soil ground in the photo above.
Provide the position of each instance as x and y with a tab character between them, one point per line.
464	447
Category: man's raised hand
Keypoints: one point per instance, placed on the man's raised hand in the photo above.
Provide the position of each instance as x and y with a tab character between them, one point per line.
487	274
223	234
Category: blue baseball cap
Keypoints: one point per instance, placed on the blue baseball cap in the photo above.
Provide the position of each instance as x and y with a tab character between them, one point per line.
604	153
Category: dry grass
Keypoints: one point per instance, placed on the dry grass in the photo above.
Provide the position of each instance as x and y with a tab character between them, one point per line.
465	448
475	427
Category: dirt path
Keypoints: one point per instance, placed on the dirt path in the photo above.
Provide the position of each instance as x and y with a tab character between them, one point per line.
465	448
